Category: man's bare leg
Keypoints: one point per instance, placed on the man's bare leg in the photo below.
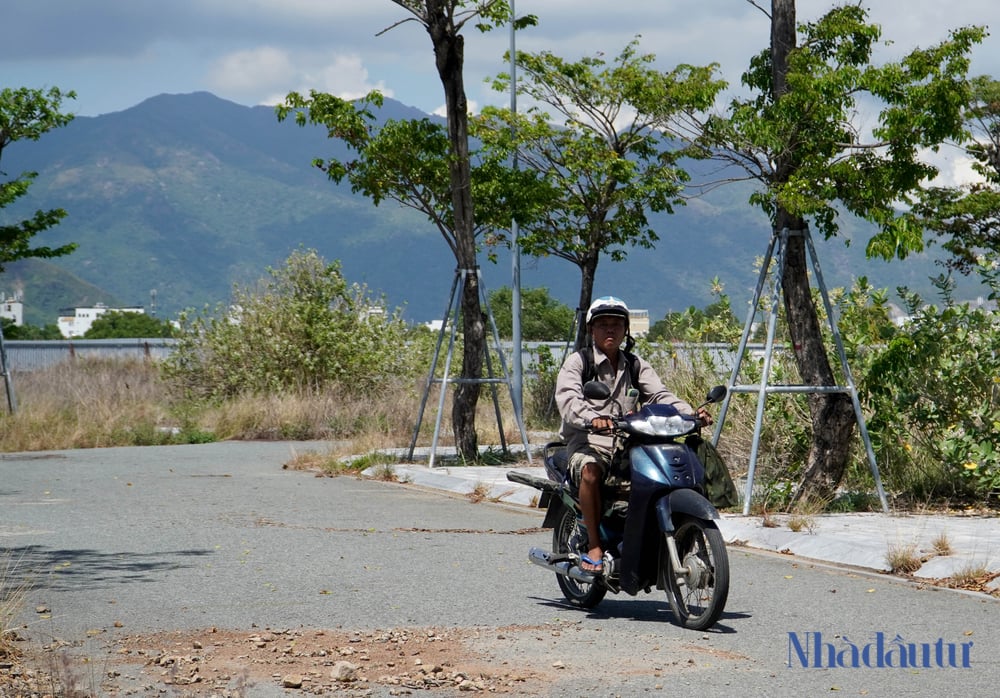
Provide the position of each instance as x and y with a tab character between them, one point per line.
590	505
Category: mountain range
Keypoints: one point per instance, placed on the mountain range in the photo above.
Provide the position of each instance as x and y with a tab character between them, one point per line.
173	201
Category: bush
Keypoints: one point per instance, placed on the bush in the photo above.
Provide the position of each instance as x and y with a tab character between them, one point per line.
934	393
116	324
539	394
929	390
303	330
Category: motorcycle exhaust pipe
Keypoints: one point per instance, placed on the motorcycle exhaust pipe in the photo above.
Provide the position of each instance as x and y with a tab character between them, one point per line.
558	563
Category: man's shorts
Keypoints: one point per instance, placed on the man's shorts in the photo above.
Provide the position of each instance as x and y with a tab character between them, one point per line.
615	482
584	455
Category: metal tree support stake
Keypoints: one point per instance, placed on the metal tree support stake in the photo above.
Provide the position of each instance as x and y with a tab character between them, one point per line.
450	326
7	379
778	248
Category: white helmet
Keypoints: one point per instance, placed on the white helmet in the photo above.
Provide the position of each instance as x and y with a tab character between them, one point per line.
607	305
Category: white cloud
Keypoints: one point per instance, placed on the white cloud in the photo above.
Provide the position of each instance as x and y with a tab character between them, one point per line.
954	168
249	70
274	72
347	78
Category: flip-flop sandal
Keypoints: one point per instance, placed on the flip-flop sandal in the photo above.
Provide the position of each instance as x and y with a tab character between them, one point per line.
599	564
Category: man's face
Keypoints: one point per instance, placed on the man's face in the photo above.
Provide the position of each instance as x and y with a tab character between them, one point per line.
608	332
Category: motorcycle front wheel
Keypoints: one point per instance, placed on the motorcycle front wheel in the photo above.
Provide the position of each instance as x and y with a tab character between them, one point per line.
577	593
697	593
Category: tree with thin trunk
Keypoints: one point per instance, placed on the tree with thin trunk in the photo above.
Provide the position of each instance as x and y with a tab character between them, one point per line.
417	164
796	137
606	151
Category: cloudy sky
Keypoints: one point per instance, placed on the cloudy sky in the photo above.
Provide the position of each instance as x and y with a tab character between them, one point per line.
116	53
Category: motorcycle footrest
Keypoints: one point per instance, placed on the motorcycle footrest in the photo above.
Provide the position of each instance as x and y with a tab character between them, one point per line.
551	557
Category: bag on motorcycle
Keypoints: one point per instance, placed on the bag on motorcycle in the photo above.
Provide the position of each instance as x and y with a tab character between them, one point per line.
719	487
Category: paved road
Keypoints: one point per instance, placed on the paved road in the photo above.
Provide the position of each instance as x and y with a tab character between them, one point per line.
220	535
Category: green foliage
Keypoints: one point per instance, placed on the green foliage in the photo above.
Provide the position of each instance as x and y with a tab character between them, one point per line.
967	217
798	136
122	324
604	160
12	331
807	129
540	388
930	392
27	114
543	319
716	323
303	329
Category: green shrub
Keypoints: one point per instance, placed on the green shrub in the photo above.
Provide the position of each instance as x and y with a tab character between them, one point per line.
929	390
301	330
539	390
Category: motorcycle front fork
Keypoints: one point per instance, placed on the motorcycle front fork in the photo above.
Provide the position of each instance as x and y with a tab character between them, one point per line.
675	560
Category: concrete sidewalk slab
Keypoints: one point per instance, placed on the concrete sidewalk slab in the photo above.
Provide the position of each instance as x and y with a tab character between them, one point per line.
863	540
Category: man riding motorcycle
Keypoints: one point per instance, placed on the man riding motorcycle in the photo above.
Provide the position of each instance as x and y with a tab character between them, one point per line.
586	423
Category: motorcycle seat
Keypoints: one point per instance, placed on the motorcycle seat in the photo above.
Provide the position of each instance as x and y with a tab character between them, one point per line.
556	461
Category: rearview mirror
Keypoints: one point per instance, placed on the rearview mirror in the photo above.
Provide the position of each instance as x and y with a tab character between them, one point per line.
717	393
596	390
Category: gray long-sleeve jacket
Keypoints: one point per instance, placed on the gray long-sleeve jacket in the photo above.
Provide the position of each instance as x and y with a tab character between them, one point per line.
577	411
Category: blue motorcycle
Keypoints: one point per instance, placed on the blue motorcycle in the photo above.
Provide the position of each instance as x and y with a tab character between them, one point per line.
660	531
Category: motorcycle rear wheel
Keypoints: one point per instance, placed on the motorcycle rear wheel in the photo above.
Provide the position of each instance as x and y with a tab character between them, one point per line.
698	597
577	593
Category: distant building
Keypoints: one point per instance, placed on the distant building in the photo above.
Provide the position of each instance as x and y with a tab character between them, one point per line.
12	309
638	321
77	323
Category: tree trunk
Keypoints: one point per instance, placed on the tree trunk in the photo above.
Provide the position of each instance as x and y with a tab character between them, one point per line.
588	271
449	49
832	414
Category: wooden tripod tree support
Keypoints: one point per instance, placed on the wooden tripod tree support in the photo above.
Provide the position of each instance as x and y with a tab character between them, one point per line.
450	327
777	248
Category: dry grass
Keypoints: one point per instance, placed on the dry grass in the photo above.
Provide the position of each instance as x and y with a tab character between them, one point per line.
479	493
333	462
13	597
970	574
941	545
800	522
805	513
87	403
903	558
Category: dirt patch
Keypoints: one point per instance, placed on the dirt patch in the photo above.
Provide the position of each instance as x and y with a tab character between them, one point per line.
229	664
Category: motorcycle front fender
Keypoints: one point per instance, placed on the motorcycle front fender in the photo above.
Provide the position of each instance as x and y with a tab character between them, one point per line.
687	502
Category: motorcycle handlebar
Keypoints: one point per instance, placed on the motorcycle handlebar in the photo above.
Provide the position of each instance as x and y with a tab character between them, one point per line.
618	424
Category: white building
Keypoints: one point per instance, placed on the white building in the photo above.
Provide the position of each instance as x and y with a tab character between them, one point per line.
77	324
12	309
638	321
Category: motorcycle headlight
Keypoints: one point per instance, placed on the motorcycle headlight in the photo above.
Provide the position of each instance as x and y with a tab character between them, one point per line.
662	425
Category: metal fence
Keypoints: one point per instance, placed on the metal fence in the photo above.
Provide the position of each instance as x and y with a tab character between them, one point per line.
30	355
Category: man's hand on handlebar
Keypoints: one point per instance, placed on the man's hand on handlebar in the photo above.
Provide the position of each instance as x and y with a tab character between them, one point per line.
602	423
704	417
